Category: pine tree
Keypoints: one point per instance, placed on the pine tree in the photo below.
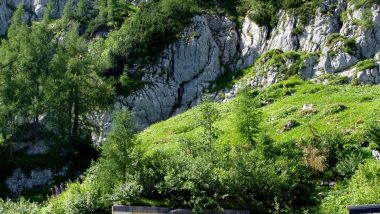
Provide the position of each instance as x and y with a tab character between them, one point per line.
248	116
48	12
118	149
67	13
75	89
13	64
81	11
208	114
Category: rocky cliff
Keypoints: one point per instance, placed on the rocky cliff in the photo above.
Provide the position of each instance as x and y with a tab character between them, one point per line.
333	40
338	38
34	10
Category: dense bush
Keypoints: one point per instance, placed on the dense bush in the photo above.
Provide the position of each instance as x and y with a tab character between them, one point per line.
363	188
338	155
81	198
227	177
21	206
155	25
264	12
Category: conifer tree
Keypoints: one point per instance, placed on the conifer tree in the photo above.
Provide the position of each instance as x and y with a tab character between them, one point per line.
208	114
67	13
118	149
81	10
248	116
26	58
75	88
13	64
48	12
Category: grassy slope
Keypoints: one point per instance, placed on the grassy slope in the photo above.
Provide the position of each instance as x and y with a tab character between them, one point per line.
362	102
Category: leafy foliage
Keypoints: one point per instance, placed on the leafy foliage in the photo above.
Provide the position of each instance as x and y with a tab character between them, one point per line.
248	116
264	12
21	206
363	188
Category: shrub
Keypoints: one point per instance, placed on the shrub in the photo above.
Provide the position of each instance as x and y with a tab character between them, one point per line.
334	109
264	12
366	64
349	44
372	133
78	198
364	188
21	206
129	191
315	158
347	167
373	146
155	25
338	150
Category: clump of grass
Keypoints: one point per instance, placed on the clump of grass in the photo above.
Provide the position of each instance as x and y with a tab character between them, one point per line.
366	99
288	63
334	109
366	64
349	44
287	112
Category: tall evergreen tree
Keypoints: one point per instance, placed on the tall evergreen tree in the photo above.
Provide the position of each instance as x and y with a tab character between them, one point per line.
81	10
248	116
118	149
48	11
208	114
14	87
67	13
75	89
25	59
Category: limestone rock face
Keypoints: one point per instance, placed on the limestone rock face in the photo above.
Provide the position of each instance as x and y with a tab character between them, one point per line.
367	37
290	34
369	76
212	45
185	69
282	36
322	25
188	67
252	42
20	181
335	59
34	10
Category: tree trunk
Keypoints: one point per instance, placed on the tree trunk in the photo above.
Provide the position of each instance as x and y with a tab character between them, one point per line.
70	115
75	127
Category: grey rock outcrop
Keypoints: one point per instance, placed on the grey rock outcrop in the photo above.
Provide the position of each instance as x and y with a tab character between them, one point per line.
335	59
34	10
291	33
282	36
367	37
185	69
252	42
20	181
367	76
320	26
188	67
213	45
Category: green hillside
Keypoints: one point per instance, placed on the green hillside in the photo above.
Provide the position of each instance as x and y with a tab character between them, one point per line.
304	144
335	107
175	166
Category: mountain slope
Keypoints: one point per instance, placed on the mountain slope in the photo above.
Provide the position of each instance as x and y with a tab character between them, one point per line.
312	75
